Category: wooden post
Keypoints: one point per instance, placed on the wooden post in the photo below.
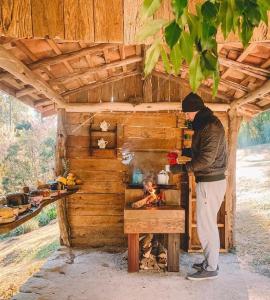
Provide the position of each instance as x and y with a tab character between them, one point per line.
147	89
234	125
60	154
133	252
173	252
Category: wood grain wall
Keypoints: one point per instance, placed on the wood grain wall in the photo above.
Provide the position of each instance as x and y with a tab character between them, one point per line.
95	213
86	20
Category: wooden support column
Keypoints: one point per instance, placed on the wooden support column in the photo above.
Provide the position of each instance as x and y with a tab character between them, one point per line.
173	252
234	126
133	252
147	89
60	154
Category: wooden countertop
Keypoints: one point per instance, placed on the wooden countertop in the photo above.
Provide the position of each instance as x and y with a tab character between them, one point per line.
4	228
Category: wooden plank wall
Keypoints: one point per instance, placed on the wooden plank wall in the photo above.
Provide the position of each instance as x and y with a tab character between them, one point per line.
85	20
168	90
95	213
122	90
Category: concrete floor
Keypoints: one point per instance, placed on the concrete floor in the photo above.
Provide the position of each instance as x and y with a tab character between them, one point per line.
94	275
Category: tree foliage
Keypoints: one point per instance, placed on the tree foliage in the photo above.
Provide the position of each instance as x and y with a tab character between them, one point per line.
256	131
27	146
191	38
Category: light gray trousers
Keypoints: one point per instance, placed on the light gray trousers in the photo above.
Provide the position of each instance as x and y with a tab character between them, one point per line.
209	198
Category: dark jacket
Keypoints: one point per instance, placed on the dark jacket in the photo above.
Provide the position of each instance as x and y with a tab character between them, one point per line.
209	147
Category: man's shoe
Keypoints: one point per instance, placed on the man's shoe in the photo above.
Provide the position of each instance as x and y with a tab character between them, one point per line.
201	266
203	275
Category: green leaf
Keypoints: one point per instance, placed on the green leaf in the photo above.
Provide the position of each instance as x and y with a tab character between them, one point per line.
209	10
149	29
165	60
195	73
152	56
178	7
226	16
216	79
193	25
176	58
172	33
253	13
209	60
246	32
264	6
186	46
149	7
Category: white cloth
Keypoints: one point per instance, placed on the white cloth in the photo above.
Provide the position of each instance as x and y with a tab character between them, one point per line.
209	199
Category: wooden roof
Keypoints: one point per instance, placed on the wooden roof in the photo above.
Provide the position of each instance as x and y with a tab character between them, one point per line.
66	68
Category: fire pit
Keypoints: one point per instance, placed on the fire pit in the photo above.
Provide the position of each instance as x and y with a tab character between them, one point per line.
166	219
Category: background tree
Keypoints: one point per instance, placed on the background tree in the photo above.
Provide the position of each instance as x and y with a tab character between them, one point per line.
27	145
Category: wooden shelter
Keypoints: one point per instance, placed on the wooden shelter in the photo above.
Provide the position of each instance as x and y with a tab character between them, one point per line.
79	59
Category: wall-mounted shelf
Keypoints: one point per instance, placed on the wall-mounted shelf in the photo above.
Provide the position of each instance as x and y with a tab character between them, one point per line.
109	136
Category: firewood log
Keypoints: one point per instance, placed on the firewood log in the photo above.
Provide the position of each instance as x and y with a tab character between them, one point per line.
144	201
147	240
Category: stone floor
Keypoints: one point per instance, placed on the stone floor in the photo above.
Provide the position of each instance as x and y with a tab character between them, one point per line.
95	275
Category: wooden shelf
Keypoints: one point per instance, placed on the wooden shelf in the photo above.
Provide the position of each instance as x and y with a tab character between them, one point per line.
219	225
197	249
4	228
110	136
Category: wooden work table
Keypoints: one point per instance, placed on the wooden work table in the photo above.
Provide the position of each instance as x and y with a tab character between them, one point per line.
32	212
167	219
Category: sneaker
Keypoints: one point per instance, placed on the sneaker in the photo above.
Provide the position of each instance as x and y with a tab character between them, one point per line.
201	266
203	275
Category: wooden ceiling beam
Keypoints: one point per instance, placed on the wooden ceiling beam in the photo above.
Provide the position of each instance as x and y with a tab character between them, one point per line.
252	96
100	83
71	55
76	75
128	107
231	84
41	103
14	66
251	47
244	68
184	82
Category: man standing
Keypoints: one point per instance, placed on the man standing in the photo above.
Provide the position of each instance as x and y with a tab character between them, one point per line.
209	162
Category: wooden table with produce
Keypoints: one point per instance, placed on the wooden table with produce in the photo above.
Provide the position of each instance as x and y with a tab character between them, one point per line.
32	211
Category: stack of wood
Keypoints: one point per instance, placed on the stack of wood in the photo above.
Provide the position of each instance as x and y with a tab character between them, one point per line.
153	254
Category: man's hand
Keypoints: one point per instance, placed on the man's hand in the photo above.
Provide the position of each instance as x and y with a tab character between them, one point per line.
176	169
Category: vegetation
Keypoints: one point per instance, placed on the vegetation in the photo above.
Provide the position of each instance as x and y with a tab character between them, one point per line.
43	218
27	146
26	155
191	37
256	131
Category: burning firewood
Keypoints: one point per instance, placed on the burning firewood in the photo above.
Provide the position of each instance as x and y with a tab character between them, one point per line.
152	195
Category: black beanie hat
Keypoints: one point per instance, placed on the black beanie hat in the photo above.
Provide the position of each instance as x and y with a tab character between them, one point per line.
192	102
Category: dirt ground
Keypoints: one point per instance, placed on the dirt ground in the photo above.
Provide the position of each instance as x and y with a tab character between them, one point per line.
253	208
246	272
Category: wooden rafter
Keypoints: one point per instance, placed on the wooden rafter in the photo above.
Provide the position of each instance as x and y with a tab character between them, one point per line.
46	62
100	83
120	106
252	96
76	75
185	83
241	58
14	66
245	68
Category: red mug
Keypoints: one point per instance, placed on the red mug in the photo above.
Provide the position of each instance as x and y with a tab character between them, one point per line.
172	158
